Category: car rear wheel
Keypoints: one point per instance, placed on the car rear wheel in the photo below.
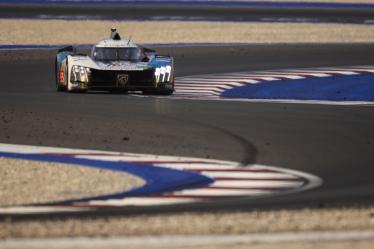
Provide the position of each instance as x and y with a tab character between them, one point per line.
166	92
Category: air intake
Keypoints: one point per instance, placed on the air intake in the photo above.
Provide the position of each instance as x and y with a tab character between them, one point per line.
114	34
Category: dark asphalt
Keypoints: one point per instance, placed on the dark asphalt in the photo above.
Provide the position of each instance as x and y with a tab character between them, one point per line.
162	12
335	143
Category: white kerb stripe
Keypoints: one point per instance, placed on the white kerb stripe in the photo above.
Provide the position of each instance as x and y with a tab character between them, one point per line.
258	184
329	72
178	83
291	77
227	86
186	80
206	192
358	70
201	91
37	209
190	166
304	73
180	95
242	77
251	175
217	88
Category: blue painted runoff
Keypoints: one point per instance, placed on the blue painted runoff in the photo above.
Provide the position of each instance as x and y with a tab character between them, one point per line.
158	179
294	4
336	88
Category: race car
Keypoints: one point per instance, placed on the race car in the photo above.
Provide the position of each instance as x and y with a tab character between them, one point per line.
115	64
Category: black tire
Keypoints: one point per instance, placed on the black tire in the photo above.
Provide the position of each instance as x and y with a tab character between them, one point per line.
60	88
166	92
158	92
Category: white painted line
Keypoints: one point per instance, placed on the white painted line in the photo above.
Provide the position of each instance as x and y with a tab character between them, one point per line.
203	80
163	241
304	73
193	97
176	94
30	209
226	86
200	166
182	88
253	175
258	184
263	78
30	149
350	68
290	76
358	70
217	81
242	77
181	96
200	91
223	192
327	72
139	201
167	161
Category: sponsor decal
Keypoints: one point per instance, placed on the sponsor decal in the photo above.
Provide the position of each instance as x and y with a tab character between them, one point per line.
122	79
61	76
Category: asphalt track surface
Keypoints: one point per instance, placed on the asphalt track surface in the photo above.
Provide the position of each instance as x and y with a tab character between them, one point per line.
335	143
192	12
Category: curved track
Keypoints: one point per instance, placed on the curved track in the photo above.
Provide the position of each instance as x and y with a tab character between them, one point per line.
333	142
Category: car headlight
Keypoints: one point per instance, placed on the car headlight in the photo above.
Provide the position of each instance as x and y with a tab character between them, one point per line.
163	74
80	74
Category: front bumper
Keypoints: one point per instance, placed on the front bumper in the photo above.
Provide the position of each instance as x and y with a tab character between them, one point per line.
126	80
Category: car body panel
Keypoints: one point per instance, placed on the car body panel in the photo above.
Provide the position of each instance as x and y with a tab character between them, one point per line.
152	72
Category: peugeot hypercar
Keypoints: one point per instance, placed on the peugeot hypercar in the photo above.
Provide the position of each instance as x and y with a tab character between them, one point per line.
115	64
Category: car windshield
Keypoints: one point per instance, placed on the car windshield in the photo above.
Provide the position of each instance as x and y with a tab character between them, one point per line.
117	54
